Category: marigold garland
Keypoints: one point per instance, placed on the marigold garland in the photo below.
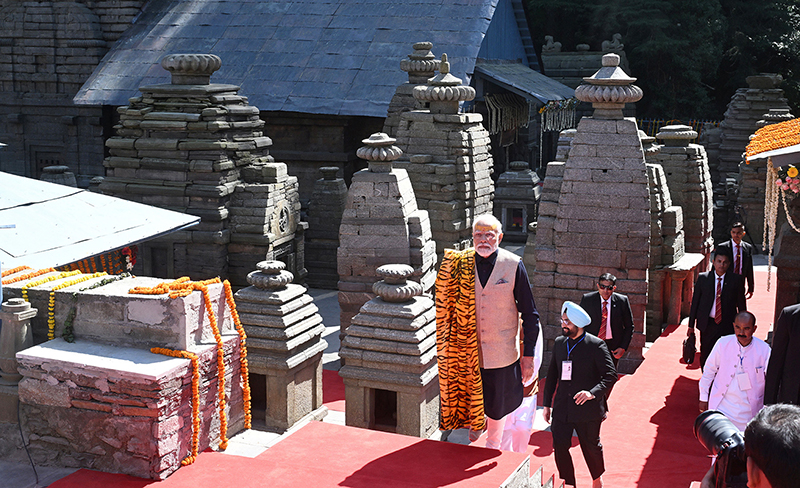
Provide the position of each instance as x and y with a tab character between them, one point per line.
64	274
244	370
13	271
183	287
27	276
774	136
195	397
51	307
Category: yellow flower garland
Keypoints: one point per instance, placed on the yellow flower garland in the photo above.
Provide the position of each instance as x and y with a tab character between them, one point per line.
182	287
51	307
195	397
59	276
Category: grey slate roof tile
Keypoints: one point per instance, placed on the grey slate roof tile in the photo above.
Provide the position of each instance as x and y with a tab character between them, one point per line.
317	56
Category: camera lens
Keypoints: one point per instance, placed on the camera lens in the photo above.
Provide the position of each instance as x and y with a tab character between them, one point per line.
716	433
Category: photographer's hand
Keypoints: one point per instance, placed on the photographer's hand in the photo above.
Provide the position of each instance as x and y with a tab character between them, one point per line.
703	406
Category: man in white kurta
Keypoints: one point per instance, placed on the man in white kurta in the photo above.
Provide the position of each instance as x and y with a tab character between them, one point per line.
733	379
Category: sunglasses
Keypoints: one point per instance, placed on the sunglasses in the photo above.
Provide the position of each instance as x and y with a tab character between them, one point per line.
606	287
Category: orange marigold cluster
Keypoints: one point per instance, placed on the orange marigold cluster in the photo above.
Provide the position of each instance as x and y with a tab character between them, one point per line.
26	276
195	397
13	271
212	318
159	289
775	136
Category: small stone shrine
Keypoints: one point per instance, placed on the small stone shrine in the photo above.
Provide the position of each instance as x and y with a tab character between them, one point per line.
421	65
390	373
689	181
15	336
284	346
322	237
752	182
381	225
601	220
105	401
516	200
447	159
199	147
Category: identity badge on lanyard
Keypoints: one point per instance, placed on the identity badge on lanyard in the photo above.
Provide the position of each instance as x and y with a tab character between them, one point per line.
566	365
741	375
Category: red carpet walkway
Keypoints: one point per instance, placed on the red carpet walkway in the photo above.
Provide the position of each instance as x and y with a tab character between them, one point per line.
648	440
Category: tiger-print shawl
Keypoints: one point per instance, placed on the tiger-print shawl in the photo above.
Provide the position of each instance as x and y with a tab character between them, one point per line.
460	386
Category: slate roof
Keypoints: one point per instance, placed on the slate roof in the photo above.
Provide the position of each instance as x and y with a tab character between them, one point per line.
43	224
338	57
523	81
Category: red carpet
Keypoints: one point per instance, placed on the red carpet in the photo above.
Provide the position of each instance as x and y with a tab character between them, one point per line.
326	455
648	440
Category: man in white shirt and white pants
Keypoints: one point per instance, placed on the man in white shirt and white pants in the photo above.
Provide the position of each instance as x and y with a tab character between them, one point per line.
733	378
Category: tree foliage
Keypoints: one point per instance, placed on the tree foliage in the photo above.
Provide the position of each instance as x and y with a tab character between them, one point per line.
689	56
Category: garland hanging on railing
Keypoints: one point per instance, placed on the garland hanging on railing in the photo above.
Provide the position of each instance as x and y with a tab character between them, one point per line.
558	115
506	111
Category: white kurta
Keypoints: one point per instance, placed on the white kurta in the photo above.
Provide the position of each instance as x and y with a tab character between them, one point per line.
519	423
720	386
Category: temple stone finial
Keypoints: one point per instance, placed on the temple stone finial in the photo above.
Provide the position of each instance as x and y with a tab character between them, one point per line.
271	275
444	91
191	69
395	286
676	135
421	64
380	152
329	172
609	89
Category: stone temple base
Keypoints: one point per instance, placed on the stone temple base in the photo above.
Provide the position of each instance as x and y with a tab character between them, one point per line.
122	410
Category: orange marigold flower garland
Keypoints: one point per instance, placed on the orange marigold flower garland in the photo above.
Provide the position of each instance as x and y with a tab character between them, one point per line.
64	274
27	276
774	136
195	397
183	287
244	371
13	271
51	307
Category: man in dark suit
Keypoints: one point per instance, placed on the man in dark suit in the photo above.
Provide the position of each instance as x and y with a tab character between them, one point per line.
783	372
740	254
612	319
580	375
717	298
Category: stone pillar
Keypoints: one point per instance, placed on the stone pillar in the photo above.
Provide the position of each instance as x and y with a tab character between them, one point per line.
15	335
284	346
448	159
516	200
752	182
601	221
381	225
420	66
689	181
322	238
390	373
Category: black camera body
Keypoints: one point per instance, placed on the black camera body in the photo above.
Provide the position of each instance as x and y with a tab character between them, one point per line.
718	434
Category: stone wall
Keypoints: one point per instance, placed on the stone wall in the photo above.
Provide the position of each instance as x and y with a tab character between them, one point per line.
47	51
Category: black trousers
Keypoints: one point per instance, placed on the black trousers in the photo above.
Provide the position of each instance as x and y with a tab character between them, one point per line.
589	439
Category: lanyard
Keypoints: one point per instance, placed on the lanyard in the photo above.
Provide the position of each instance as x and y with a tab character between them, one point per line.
569	349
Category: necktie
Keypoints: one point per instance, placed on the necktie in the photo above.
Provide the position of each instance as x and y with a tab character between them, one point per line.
603	321
718	311
736	268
